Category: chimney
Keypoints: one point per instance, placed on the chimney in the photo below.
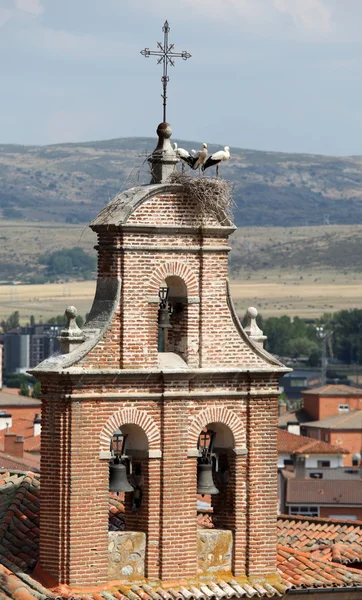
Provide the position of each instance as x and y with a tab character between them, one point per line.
299	467
282	407
14	444
5	419
37	425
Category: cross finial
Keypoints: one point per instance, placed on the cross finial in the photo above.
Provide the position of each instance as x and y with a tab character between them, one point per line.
166	56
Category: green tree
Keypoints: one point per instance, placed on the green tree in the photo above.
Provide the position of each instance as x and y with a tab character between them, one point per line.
301	346
68	262
347	330
36	390
24	389
11	322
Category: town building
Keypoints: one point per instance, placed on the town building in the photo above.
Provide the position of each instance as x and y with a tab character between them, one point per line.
25	347
330	400
317	454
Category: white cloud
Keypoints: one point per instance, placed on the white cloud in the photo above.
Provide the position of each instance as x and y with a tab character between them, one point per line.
32	7
72	45
21	8
5	16
312	15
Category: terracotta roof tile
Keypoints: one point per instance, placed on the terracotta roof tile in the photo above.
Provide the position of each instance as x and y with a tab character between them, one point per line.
324	492
334	390
289	443
307	555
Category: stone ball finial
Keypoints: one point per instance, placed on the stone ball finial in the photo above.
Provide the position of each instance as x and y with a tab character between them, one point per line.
252	312
252	328
164	130
71	312
71	336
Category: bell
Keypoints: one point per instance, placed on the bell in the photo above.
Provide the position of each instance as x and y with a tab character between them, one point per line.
164	318
118	481
205	482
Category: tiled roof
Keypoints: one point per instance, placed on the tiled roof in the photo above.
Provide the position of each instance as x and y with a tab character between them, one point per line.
351	420
337	541
289	443
334	390
318	563
28	462
324	492
10	397
293	416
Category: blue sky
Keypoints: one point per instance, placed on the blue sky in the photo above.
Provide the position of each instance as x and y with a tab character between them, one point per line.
280	75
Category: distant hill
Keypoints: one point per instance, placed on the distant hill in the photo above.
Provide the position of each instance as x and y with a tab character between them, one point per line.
69	183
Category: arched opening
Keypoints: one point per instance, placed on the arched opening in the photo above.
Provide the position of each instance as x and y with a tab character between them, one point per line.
215	465
215	498
172	330
128	474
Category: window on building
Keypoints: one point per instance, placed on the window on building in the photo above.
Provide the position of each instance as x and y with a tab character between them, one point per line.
343	408
345	517
326	437
323	463
301	382
304	511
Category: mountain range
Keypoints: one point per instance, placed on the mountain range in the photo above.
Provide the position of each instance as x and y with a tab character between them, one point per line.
70	183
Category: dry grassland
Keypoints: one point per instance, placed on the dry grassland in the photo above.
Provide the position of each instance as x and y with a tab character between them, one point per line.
273	297
295	271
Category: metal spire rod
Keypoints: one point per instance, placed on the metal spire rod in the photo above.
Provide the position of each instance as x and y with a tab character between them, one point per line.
166	56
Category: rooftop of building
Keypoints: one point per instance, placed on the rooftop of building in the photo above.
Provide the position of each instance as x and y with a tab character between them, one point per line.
290	443
295	417
351	420
10	397
335	473
334	390
312	553
324	492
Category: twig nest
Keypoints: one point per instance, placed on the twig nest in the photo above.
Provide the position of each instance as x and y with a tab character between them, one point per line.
212	197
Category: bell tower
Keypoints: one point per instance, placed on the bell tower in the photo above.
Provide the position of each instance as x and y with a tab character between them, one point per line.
165	391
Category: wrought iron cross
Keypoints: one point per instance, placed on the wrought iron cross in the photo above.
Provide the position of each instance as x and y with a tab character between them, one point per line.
167	56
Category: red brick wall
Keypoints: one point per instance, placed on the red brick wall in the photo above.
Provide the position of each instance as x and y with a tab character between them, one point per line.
326	511
348	440
321	407
74	504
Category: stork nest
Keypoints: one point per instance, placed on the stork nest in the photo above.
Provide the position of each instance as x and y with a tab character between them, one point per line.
212	197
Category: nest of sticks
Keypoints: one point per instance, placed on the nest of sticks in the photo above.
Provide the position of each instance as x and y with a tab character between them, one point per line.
212	197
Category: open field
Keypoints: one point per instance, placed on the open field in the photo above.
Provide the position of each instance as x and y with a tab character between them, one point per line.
301	271
278	295
45	301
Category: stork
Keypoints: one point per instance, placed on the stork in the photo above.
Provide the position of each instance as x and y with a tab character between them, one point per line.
216	158
200	156
184	156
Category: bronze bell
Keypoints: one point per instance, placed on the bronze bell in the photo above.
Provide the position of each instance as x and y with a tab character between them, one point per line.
118	481
205	482
164	318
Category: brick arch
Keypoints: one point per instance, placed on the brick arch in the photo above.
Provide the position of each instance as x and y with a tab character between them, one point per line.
174	268
217	414
131	416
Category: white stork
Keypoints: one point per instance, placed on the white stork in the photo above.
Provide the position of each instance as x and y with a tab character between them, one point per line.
200	156
184	156
216	158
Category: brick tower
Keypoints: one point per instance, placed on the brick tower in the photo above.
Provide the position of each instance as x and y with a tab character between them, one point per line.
206	374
